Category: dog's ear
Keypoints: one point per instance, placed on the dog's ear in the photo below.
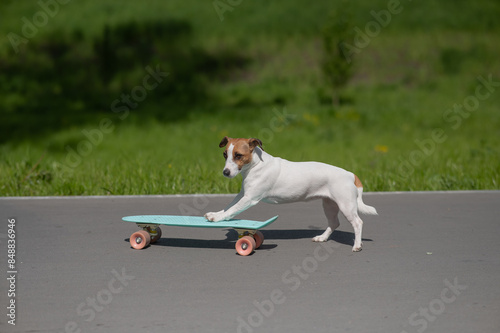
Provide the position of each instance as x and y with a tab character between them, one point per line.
224	141
254	143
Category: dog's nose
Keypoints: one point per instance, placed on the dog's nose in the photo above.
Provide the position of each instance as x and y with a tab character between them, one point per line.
226	172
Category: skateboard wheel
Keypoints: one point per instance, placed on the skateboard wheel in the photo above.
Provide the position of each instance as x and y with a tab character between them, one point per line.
156	235
140	239
245	245
259	239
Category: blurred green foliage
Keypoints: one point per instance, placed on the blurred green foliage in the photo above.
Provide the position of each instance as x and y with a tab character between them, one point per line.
337	65
62	79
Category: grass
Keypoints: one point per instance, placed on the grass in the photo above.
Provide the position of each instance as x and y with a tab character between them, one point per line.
406	79
184	157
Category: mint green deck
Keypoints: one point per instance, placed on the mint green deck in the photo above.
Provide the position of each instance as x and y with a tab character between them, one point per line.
197	221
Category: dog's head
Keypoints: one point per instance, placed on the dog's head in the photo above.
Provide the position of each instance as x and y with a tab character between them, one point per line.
237	154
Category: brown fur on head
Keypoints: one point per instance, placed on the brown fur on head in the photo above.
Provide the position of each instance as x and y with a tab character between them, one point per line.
252	142
241	152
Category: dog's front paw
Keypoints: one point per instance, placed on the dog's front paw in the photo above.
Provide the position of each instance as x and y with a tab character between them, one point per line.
320	238
214	216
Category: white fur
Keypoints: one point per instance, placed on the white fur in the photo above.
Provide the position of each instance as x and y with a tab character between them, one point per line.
230	166
275	180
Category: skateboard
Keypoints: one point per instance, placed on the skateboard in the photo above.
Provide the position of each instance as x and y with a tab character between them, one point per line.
249	237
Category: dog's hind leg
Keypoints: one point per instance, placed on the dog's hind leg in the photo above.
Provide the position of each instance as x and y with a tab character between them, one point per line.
332	214
350	211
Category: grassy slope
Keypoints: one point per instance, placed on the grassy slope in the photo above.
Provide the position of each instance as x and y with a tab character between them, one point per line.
400	95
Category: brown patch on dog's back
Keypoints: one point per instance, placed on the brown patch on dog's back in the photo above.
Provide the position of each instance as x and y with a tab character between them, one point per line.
357	182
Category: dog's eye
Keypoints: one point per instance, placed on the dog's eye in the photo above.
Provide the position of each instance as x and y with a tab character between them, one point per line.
237	156
225	155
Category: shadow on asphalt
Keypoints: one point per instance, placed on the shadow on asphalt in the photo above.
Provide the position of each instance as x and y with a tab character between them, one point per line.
341	237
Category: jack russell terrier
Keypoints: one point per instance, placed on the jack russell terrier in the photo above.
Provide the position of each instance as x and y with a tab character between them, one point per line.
275	180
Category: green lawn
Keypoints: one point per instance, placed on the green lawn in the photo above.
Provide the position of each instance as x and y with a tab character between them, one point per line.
415	116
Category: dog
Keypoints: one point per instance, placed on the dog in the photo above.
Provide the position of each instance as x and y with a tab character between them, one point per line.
275	180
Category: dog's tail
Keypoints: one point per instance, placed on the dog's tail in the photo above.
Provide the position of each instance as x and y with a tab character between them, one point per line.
362	208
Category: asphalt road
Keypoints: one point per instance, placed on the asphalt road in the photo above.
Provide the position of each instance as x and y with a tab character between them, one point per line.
430	263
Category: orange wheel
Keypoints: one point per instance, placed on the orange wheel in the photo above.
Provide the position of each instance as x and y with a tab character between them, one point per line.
259	239
140	239
155	235
245	245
